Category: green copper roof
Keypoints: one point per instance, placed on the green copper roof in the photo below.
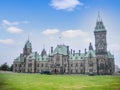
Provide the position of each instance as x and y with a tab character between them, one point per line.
18	58
43	58
90	53
76	56
99	26
36	56
31	56
60	49
110	55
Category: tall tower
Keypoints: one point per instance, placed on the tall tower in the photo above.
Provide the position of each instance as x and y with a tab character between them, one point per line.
100	37
100	46
27	48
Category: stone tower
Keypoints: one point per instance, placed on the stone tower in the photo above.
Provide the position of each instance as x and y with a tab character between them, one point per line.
100	46
27	48
100	37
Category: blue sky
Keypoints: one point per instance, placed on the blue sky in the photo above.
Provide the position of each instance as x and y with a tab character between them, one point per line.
46	20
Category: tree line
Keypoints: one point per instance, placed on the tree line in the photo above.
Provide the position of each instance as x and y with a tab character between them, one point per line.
6	67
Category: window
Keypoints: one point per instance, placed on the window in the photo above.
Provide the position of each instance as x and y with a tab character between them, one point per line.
81	71
57	64
64	59
30	56
71	65
81	57
37	65
90	63
76	64
46	64
58	58
101	66
76	57
90	70
65	65
81	65
76	70
41	65
30	65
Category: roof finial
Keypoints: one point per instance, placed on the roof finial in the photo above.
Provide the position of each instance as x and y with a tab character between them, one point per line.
98	16
60	39
28	37
43	46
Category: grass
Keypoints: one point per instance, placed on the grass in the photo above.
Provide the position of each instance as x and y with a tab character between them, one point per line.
58	82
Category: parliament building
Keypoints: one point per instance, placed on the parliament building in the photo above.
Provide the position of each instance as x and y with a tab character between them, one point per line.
63	60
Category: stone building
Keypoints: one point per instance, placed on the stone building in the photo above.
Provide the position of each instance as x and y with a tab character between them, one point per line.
63	60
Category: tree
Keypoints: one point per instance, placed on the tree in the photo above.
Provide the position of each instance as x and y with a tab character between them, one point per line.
0	67
11	68
4	67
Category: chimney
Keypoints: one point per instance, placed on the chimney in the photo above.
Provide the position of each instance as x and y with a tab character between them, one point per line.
51	49
73	52
85	51
35	54
67	49
79	52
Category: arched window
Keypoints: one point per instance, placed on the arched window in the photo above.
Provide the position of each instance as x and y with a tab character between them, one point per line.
90	63
101	66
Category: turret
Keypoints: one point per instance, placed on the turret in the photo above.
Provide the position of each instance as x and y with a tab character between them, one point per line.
90	46
43	52
27	48
51	49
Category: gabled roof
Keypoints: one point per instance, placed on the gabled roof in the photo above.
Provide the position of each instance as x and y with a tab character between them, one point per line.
60	49
110	55
90	53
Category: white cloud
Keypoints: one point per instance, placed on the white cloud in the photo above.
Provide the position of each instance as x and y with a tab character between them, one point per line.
7	41
12	26
74	33
84	36
8	23
65	4
50	31
13	29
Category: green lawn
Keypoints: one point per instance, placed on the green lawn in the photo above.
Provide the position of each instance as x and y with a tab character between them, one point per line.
58	82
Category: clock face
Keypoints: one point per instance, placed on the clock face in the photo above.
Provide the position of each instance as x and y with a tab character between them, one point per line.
101	44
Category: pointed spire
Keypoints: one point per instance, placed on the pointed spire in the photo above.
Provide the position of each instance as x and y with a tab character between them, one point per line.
28	37
85	51
98	19
99	24
43	46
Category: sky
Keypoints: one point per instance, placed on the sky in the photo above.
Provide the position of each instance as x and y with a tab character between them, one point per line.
51	22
